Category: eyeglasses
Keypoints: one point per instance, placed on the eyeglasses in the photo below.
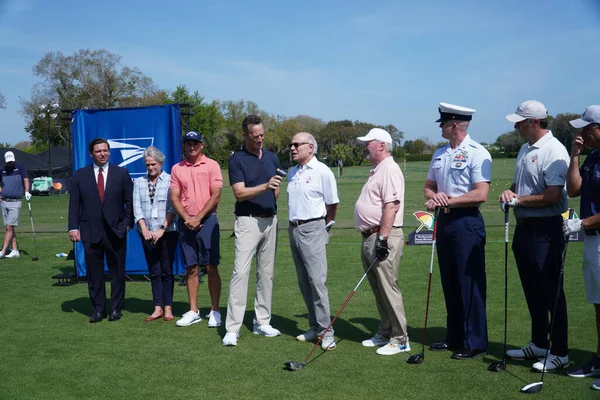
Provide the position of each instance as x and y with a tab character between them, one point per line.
296	145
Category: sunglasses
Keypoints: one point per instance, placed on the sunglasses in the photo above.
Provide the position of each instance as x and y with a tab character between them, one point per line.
296	145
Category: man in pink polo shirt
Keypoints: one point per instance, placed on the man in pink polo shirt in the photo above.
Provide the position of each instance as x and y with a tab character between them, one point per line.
196	184
378	216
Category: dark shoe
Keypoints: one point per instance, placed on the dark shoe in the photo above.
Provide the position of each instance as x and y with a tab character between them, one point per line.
96	317
151	318
115	316
467	354
441	346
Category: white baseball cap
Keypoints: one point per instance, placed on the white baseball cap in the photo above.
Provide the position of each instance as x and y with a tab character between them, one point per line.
376	134
9	156
591	115
529	109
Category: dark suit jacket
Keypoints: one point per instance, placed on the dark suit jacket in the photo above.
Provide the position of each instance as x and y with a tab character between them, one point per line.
88	214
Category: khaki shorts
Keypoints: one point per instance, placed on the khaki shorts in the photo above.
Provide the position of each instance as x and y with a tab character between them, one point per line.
10	212
591	268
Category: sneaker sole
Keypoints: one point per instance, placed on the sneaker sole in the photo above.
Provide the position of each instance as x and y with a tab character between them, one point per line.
214	325
330	348
591	374
265	335
230	344
373	344
191	323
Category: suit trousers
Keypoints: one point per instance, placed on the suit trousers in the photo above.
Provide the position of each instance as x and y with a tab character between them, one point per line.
383	279
252	234
114	249
461	239
538	244
160	258
308	243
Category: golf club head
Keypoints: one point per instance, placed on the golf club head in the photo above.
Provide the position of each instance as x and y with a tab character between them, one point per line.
497	366
416	358
532	388
34	259
293	366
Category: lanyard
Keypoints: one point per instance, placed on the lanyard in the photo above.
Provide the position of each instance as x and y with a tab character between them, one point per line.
151	192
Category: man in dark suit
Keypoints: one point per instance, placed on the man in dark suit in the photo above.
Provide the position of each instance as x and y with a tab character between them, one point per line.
100	215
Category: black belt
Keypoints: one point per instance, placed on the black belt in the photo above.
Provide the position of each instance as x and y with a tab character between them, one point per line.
257	215
11	200
592	232
302	222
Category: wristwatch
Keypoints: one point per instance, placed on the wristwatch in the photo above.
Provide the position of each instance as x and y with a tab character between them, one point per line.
162	227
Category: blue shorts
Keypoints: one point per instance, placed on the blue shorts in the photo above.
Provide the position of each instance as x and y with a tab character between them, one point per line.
200	247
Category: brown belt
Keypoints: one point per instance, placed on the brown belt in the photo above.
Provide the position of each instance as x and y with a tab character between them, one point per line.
373	230
369	232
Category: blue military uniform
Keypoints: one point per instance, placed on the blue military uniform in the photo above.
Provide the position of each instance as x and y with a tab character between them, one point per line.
461	236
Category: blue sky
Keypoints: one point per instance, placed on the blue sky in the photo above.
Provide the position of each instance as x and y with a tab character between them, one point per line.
376	61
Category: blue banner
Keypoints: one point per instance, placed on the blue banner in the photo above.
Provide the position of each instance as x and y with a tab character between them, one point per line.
128	131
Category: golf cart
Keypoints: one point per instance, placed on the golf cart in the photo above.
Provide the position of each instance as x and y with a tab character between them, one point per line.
42	186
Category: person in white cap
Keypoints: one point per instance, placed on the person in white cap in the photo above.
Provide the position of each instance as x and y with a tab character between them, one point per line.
538	197
378	216
15	184
584	181
458	182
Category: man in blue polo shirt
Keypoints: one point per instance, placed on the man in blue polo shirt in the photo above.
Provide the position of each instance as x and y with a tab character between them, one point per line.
585	182
255	184
15	183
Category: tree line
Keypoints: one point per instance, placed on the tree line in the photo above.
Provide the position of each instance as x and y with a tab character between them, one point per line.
97	79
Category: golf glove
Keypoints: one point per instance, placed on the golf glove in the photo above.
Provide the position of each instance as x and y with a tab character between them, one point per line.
381	248
27	196
572	226
512	203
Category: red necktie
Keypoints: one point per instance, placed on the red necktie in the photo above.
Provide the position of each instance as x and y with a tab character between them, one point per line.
101	185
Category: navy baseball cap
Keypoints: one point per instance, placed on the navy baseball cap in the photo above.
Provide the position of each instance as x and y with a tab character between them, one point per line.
193	135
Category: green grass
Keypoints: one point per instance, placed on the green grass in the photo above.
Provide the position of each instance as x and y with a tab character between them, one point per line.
50	351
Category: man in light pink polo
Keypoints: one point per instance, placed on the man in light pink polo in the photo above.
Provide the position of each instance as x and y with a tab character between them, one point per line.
378	216
196	184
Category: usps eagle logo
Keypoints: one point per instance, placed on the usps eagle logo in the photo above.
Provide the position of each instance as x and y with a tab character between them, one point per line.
426	220
125	152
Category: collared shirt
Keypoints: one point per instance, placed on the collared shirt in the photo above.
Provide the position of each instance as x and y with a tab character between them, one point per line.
540	165
104	172
385	185
253	171
590	185
310	188
194	182
12	184
153	209
456	170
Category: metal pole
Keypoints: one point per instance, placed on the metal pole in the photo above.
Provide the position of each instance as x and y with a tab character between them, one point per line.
48	115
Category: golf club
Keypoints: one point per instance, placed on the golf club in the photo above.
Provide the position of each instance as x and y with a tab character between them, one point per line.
36	258
420	357
536	387
501	365
296	366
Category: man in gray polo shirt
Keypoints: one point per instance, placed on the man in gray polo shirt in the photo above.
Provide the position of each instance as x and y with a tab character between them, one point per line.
312	205
538	197
15	183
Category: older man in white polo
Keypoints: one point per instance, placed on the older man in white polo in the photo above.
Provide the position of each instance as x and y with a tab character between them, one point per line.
312	205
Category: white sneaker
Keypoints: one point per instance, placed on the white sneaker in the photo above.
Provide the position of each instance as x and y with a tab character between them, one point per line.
13	254
230	339
390	349
266	330
377	340
2	255
529	352
551	363
214	319
307	336
328	343
189	318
